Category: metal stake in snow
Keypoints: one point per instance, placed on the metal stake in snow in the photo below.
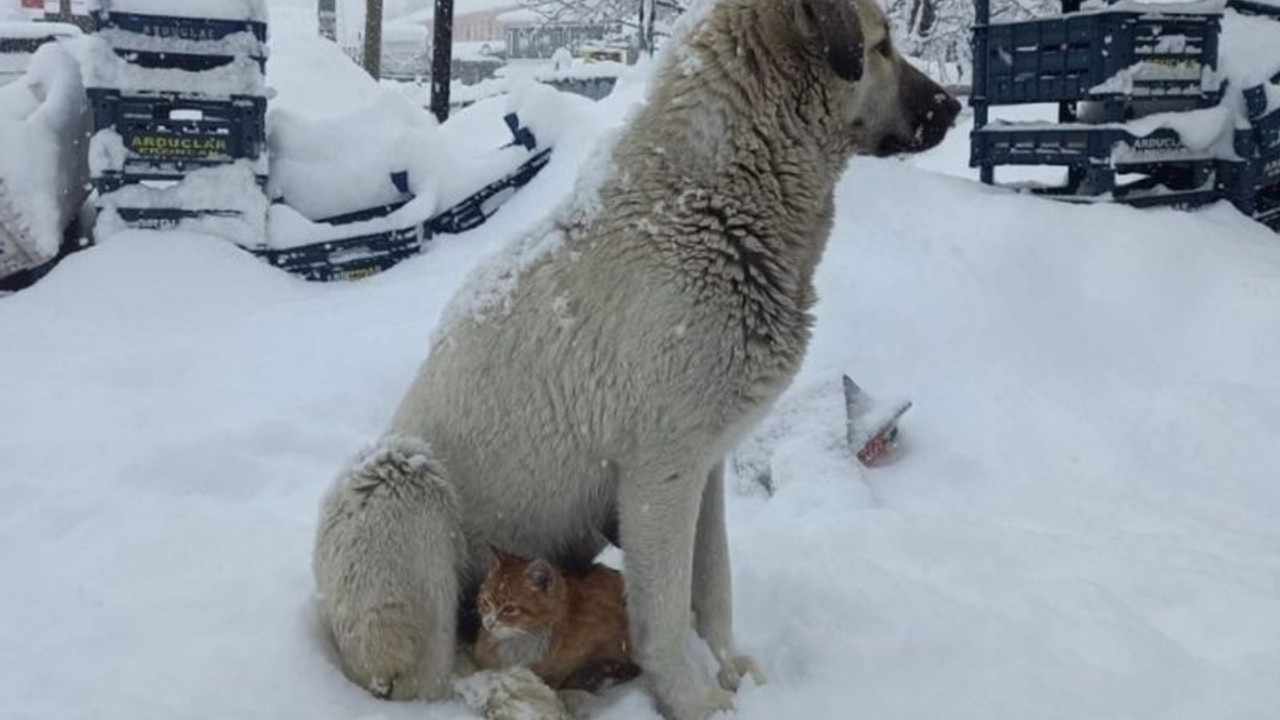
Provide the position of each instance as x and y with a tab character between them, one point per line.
441	59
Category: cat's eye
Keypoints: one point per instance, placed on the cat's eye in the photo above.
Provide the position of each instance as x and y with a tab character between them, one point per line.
883	48
508	611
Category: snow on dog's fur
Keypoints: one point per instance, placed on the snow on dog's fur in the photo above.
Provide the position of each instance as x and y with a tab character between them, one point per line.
590	380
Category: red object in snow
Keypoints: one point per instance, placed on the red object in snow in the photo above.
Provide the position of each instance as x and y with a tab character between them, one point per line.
872	426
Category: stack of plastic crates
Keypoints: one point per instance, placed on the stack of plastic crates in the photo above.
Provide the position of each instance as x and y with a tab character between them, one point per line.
1253	182
1103	68
179	106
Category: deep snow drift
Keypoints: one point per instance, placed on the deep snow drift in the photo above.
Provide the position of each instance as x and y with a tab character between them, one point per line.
1082	524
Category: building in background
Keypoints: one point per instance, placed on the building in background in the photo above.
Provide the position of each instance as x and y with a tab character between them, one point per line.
475	22
529	35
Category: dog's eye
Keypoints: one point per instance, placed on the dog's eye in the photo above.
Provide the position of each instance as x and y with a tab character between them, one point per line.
883	48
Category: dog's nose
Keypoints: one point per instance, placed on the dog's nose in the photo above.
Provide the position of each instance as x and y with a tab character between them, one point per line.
950	107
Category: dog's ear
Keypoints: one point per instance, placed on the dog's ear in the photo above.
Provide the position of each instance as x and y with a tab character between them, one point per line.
835	24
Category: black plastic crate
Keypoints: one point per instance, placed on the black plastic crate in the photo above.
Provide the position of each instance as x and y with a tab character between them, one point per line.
1068	58
166	218
1003	144
1266	125
351	258
177	28
180	131
112	181
1076	145
1267	206
482	204
183	29
363	255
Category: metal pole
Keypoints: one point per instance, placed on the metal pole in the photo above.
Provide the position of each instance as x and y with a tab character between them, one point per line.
441	59
373	38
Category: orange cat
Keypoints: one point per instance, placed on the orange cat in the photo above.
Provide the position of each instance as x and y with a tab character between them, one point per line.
571	631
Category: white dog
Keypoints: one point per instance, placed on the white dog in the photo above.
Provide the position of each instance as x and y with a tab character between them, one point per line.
591	378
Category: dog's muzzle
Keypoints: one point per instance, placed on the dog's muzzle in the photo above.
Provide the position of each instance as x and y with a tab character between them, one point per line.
930	110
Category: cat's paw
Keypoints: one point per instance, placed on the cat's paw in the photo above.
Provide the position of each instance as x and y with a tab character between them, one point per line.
577	702
734	667
694	701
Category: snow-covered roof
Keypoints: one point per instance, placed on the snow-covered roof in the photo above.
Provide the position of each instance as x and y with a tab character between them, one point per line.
460	7
400	31
523	16
528	16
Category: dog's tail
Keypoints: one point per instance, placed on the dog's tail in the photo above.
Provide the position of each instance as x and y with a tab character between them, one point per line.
386	565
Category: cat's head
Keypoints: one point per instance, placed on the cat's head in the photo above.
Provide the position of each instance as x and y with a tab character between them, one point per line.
520	595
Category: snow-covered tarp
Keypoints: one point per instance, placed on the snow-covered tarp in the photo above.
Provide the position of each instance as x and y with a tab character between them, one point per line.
44	123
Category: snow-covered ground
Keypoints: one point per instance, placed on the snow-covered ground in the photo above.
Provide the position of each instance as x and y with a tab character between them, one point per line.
1082	523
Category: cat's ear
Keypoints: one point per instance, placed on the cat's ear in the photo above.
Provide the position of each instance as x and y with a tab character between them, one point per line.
540	574
499	557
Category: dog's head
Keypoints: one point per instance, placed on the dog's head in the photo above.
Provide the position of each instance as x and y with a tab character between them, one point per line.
889	106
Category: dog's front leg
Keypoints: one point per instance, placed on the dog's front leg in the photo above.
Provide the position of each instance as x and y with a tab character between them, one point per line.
657	516
713	586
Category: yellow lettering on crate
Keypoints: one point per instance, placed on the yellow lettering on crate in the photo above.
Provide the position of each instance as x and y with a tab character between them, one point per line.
357	274
177	146
1172	62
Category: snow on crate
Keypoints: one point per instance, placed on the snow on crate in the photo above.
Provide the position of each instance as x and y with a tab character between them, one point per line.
255	10
237	43
417	179
103	68
334	166
224	200
341	165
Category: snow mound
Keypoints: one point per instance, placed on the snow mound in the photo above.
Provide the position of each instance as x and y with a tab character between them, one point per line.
44	120
333	166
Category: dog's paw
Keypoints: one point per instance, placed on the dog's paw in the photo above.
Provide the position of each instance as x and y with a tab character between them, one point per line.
382	687
733	668
694	701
